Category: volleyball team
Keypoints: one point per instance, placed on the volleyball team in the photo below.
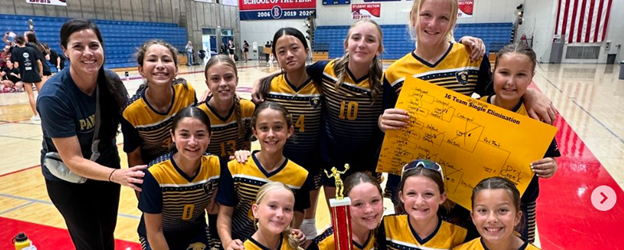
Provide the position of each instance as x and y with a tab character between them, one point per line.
189	158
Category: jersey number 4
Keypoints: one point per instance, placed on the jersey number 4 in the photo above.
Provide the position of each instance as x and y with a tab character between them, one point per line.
300	124
351	109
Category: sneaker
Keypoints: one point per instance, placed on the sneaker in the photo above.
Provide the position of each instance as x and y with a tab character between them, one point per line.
35	118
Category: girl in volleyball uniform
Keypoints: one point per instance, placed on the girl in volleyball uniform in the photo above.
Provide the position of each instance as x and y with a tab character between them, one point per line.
273	213
144	127
229	115
148	114
465	77
183	219
350	133
229	133
240	183
304	104
179	187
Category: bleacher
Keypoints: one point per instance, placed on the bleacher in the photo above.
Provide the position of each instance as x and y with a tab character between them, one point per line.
121	38
397	41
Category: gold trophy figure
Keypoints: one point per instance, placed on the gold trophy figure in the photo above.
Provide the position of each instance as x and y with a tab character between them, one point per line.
339	185
340	212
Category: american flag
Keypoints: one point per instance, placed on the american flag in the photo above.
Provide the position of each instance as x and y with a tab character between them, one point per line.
583	21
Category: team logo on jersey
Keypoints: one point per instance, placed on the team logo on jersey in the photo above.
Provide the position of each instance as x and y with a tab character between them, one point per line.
315	102
208	186
196	246
462	77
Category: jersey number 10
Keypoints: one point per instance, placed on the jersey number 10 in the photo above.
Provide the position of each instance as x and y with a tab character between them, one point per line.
351	110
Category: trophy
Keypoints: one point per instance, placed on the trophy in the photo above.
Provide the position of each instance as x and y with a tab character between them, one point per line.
341	215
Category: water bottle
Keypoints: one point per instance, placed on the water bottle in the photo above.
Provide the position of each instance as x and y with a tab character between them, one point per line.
22	242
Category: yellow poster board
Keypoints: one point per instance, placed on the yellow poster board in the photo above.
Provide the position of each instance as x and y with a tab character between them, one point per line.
470	139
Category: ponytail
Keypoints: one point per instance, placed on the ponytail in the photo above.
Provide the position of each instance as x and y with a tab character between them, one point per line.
340	67
142	88
239	118
111	103
265	85
374	77
293	244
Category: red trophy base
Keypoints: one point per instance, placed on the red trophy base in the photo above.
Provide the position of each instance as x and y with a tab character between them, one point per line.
341	222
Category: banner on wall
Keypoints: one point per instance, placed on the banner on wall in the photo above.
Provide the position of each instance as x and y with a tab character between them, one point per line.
276	9
48	2
465	8
205	1
366	10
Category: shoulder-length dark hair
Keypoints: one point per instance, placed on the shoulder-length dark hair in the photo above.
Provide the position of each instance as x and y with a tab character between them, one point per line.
111	90
265	83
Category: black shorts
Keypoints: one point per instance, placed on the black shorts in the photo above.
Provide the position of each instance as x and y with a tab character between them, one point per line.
30	77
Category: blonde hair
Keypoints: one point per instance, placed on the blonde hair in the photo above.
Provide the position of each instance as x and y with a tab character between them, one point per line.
375	71
414	13
266	189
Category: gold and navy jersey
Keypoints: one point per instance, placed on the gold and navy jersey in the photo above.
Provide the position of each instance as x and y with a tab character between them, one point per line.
399	235
453	71
520	108
181	199
326	241
350	133
305	105
478	244
144	127
532	191
251	244
225	138
239	186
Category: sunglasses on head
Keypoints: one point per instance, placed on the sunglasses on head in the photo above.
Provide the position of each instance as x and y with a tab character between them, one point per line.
424	163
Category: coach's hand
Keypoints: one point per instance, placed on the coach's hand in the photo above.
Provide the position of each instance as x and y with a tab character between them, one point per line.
129	176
